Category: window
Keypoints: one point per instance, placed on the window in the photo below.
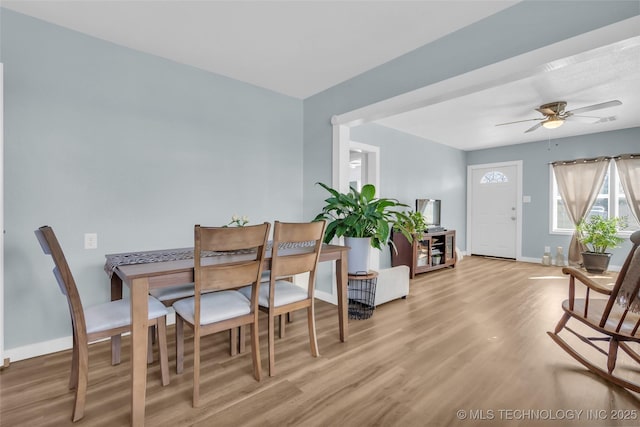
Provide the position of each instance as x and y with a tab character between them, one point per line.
611	201
493	177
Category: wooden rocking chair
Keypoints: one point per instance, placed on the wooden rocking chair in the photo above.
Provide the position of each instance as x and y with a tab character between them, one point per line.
616	318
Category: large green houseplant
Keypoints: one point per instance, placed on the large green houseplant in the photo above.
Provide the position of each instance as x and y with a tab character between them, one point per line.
598	234
360	215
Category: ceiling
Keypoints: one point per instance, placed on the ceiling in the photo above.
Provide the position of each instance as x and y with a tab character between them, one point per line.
468	122
300	48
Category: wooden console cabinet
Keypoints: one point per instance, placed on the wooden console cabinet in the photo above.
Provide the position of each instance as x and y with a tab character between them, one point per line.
433	251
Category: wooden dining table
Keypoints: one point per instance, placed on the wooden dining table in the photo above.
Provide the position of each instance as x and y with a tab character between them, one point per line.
140	277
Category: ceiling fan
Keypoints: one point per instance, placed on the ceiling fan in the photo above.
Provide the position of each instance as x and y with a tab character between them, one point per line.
555	114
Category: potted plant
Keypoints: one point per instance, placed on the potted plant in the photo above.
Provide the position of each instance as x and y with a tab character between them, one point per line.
364	220
597	234
412	225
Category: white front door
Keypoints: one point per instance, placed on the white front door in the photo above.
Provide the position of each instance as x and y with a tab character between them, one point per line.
494	209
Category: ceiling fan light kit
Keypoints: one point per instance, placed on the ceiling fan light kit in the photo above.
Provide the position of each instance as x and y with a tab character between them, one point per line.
553	122
555	114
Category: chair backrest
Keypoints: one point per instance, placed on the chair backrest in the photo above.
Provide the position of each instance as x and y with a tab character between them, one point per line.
296	250
62	272
246	245
626	291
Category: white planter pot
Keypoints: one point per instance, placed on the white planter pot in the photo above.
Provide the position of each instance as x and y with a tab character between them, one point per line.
359	254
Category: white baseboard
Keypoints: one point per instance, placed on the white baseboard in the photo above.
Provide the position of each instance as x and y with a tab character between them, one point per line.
53	346
38	349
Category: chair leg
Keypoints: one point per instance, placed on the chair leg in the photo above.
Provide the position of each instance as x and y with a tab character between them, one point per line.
313	340
162	349
179	345
116	344
73	377
281	326
255	351
150	333
81	383
154	334
563	321
196	367
242	334
233	341
613	354
272	345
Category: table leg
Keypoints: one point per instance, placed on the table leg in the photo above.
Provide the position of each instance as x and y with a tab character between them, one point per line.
116	294
343	303
139	342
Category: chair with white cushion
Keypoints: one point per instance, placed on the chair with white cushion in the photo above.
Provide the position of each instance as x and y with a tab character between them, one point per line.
217	306
97	322
296	250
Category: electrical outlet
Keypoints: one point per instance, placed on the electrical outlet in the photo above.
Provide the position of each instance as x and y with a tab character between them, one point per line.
90	241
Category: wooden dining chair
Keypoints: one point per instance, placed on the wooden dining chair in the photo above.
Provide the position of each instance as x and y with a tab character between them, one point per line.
97	322
615	319
217	305
296	250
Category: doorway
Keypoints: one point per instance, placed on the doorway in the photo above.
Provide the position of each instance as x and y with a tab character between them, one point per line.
364	168
494	209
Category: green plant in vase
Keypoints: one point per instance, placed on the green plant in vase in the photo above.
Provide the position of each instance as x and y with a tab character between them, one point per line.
413	225
360	215
598	234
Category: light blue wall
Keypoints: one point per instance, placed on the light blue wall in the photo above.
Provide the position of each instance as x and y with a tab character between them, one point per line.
521	28
536	157
412	168
100	138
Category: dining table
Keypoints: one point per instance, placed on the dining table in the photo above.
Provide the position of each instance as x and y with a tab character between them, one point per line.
142	271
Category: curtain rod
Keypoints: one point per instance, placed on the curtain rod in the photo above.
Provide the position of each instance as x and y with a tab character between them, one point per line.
595	159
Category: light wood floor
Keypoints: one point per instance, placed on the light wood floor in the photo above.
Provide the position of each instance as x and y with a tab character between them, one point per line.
468	339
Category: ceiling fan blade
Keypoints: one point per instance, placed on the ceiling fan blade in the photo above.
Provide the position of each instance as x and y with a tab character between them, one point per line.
546	111
595	107
606	119
581	119
534	127
520	121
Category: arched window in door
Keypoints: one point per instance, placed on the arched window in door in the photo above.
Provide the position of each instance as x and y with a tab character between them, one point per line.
494	177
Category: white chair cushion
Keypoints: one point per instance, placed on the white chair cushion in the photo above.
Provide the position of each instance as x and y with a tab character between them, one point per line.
286	293
214	307
173	292
115	314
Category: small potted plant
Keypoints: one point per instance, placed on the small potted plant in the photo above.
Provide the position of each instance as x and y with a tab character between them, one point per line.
364	220
597	234
413	225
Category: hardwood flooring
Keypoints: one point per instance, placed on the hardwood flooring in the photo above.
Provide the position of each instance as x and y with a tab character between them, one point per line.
470	339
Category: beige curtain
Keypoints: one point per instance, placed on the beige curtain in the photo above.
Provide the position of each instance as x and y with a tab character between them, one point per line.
579	182
629	171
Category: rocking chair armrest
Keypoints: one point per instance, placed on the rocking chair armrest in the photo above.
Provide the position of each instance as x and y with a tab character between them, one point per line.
590	283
